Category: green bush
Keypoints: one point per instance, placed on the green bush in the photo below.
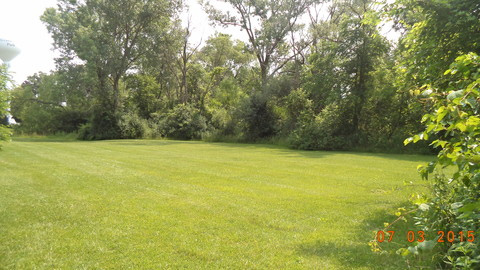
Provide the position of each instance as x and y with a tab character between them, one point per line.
455	201
103	126
85	132
69	121
258	118
222	122
184	122
45	119
320	132
133	126
296	104
36	119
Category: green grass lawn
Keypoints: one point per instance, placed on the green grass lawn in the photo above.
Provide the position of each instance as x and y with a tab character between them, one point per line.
150	204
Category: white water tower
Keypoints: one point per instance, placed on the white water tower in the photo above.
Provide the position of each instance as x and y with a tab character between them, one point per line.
8	50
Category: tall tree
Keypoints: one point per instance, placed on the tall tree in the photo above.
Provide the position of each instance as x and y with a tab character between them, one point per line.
110	37
183	62
348	47
268	24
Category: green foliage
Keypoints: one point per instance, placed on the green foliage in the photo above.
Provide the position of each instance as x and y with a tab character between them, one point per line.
274	22
258	118
227	72
85	132
223	122
297	104
104	125
184	121
322	131
347	49
434	33
221	51
5	132
127	69
437	32
126	63
69	120
455	201
111	37
323	79
390	113
144	94
37	104
132	126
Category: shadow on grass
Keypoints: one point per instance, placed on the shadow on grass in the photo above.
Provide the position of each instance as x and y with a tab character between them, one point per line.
357	253
153	142
44	139
278	149
321	154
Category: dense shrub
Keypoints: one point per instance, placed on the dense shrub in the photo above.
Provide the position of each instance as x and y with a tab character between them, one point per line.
145	94
184	121
223	122
37	118
103	126
47	119
296	105
258	118
320	132
455	201
85	132
69	121
132	126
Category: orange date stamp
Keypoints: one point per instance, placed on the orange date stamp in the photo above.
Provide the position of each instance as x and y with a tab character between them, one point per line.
419	236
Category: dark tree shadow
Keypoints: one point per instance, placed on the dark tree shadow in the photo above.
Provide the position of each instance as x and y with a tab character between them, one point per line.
276	149
44	139
358	253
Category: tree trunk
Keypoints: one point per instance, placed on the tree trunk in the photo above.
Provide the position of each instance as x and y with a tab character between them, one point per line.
264	74
116	92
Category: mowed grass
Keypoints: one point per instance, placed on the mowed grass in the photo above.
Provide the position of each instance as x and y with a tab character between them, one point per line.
150	204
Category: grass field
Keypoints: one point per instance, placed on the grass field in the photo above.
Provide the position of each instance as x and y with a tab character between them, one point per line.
149	204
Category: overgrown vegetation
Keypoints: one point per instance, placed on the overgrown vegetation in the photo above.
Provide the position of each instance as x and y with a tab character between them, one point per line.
455	201
447	219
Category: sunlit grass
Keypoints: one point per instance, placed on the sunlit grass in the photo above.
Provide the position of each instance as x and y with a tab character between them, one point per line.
173	204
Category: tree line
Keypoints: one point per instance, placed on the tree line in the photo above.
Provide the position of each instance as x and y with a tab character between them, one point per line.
129	69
